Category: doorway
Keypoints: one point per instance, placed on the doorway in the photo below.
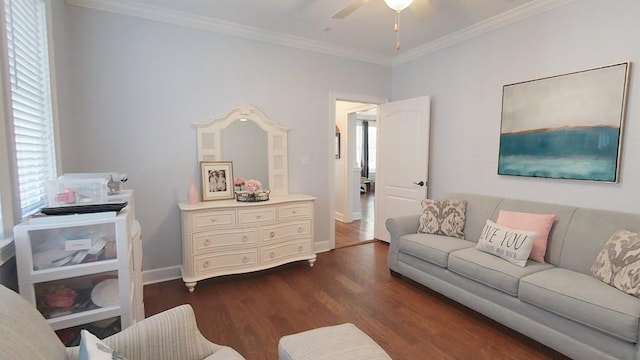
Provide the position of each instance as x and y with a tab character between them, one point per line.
355	172
403	131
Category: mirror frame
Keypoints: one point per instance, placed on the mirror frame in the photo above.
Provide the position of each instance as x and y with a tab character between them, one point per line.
209	136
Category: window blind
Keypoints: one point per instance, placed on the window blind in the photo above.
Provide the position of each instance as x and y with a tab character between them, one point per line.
26	30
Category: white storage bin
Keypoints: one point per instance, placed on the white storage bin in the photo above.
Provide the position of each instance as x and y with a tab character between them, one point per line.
114	180
69	191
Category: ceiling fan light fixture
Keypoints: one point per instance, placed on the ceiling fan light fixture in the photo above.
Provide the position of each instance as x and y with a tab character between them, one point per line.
398	5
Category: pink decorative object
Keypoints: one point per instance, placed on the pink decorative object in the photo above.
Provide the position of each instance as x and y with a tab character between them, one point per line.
239	181
253	185
67	197
192	195
60	297
539	223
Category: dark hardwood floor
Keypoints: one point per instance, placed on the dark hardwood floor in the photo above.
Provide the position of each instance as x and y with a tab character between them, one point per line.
359	231
250	312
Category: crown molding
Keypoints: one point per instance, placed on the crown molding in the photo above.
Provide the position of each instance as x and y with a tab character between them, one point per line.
507	18
128	8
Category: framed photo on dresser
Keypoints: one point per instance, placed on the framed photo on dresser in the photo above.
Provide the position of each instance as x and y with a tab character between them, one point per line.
217	180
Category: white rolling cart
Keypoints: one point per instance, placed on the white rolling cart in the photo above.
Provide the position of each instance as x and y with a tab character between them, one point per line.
81	271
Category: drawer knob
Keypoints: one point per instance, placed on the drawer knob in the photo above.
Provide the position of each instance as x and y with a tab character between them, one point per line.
245	259
272	255
213	220
245	238
258	216
272	234
207	241
300	229
294	212
300	248
205	265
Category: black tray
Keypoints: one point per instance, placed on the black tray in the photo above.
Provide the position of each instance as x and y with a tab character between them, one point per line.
83	209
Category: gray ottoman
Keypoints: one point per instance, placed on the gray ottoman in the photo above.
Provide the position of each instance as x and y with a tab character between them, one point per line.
339	342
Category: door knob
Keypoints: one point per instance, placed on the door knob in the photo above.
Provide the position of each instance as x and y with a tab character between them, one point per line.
421	183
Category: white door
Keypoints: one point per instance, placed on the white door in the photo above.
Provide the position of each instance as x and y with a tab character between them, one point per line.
403	160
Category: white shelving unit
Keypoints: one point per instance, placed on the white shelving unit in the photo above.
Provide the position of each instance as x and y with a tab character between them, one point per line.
79	269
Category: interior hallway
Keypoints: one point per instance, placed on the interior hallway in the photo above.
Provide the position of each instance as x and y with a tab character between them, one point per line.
359	231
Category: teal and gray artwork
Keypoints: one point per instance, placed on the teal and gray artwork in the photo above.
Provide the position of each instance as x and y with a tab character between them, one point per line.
565	127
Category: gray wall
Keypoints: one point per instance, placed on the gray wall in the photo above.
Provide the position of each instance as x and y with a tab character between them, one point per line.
130	89
465	82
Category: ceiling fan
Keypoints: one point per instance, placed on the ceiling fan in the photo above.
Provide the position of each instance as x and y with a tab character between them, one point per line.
421	8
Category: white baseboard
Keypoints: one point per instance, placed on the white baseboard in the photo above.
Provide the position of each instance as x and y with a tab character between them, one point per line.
161	275
173	272
339	216
323	246
357	216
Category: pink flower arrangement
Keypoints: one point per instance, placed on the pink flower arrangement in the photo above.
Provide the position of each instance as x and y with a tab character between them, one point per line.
253	185
239	181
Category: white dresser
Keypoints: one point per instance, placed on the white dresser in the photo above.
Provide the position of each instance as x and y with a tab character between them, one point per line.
230	237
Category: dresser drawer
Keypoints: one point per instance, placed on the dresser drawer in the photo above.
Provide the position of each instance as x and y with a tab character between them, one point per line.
211	240
226	261
208	219
282	252
294	211
283	232
258	216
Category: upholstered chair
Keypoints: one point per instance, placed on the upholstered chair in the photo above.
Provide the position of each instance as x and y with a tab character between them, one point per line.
172	334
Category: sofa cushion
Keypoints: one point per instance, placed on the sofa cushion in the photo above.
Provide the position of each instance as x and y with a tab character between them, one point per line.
432	248
92	348
443	217
584	299
491	270
510	244
587	233
618	263
540	223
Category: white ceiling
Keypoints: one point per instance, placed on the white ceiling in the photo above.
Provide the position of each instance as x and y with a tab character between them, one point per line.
367	34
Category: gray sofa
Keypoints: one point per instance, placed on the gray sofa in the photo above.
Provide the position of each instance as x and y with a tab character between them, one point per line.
559	304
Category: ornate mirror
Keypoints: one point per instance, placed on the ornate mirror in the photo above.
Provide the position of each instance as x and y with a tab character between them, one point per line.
256	145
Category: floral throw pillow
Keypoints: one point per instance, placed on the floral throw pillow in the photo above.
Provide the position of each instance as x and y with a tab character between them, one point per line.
443	217
618	263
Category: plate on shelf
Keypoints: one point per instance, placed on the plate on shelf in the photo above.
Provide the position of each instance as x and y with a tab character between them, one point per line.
105	294
83	209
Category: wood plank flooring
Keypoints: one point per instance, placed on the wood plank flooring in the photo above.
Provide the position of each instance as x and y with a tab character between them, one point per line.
250	312
359	231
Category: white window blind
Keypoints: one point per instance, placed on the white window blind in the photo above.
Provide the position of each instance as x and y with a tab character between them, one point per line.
26	29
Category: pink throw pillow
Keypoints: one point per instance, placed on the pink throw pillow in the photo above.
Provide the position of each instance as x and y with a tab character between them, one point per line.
539	223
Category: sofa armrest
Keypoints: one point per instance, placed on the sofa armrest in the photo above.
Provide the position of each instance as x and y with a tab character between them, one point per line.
403	225
171	334
397	227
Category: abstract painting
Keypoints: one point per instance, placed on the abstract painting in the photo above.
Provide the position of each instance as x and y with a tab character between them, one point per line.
565	127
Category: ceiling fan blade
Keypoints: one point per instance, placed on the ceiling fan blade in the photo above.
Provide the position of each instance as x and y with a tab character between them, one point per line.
347	10
422	9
